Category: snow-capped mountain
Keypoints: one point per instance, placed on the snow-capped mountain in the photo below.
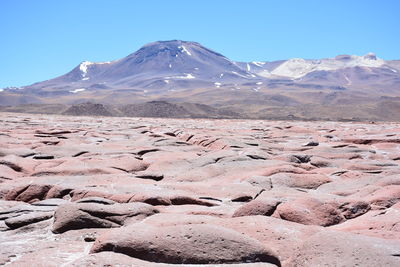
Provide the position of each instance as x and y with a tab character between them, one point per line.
156	66
182	70
298	67
343	71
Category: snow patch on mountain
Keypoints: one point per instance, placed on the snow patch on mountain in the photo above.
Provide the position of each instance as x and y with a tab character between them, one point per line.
347	79
187	76
298	67
77	90
237	74
258	63
84	66
184	50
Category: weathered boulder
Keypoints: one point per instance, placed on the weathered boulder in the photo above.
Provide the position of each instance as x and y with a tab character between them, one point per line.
190	244
257	207
92	215
310	211
28	193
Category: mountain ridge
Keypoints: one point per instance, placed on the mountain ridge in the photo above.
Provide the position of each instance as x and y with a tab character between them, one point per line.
180	71
166	64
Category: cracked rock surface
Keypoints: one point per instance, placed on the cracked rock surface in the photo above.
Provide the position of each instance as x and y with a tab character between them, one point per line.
97	191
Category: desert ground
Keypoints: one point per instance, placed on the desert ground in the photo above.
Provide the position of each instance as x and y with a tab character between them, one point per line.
107	191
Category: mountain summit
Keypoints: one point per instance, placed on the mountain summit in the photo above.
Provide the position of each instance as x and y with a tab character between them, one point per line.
156	66
170	61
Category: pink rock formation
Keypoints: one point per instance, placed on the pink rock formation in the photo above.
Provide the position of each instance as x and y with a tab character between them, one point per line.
191	191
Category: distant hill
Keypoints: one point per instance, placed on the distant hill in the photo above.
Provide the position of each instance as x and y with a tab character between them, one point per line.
156	109
88	109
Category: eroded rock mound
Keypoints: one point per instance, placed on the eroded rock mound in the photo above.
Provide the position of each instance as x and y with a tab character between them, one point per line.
257	207
92	215
190	244
310	211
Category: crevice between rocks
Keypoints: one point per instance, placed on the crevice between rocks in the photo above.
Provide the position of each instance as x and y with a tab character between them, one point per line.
11	165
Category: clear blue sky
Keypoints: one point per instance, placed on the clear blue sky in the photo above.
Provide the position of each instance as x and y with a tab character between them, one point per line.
42	39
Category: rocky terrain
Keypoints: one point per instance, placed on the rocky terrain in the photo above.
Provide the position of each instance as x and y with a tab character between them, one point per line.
107	191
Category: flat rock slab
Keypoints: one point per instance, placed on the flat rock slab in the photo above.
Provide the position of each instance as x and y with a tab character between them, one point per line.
376	223
21	209
25	219
50	202
330	248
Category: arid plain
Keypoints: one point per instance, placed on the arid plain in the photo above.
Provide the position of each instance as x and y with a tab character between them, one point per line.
103	191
